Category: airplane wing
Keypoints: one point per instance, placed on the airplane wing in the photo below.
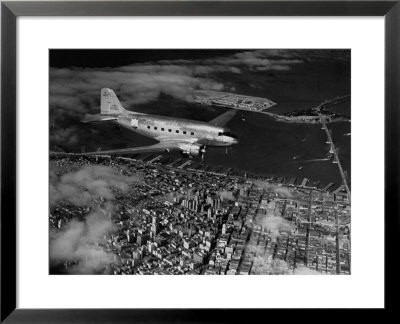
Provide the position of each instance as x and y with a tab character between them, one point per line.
97	118
164	146
159	147
223	119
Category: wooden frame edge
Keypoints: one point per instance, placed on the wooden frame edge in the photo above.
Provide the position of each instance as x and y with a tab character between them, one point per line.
11	10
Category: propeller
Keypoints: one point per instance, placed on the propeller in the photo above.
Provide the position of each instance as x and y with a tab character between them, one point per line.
202	152
228	149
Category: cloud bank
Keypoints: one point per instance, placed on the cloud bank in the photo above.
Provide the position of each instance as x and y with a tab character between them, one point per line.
90	182
266	265
274	225
269	187
74	91
79	242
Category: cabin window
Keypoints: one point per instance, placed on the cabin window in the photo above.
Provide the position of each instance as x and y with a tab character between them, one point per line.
162	129
177	131
148	127
191	133
184	132
155	128
170	130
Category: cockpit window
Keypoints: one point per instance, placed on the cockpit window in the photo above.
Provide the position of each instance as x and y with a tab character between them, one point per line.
227	134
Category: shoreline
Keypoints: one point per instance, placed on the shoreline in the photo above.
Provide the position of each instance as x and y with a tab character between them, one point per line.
280	180
302	119
305	119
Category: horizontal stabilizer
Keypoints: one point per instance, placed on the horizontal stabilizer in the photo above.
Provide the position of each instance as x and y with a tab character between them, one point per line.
97	118
60	149
223	119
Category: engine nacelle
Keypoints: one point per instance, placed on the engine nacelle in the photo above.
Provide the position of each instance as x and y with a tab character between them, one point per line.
192	149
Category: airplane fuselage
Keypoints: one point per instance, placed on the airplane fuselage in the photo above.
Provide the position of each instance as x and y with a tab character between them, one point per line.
190	137
162	127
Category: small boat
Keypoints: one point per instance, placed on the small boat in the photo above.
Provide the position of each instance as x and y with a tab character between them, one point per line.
300	168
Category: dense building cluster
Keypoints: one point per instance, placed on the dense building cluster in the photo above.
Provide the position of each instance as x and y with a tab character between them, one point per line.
180	221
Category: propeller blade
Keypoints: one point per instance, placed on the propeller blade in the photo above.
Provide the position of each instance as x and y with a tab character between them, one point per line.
203	152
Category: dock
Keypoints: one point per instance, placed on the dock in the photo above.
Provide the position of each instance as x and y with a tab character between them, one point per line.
336	156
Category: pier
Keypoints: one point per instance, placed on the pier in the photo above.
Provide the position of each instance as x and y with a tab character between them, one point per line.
336	159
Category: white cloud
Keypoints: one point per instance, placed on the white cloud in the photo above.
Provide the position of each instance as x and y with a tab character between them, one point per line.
78	243
74	91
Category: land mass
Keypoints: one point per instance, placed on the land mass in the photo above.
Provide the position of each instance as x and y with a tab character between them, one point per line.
319	114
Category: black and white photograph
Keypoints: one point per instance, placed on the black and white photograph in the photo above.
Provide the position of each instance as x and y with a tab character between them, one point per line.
200	161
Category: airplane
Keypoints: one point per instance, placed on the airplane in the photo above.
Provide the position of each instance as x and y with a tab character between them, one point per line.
190	137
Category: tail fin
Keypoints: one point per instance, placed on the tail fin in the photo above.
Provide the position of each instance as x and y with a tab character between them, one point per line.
109	103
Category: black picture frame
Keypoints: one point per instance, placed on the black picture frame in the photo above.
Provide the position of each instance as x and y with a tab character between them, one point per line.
9	13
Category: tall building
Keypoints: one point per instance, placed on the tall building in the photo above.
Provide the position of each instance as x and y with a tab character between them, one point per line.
210	213
217	203
195	205
142	239
191	229
130	236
